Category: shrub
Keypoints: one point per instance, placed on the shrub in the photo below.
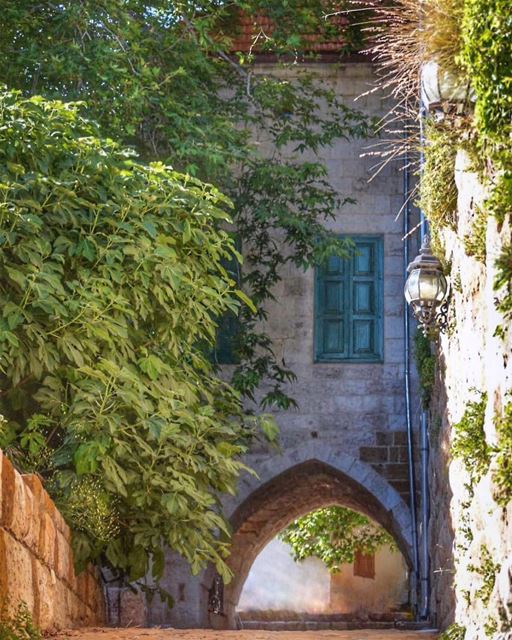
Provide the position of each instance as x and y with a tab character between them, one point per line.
438	191
110	279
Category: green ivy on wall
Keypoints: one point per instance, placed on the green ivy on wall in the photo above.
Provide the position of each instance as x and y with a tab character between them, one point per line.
469	443
502	476
425	365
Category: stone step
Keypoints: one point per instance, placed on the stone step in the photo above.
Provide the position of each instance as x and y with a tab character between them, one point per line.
332	624
290	616
297	625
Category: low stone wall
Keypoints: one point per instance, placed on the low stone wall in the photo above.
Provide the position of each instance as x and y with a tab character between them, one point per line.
36	562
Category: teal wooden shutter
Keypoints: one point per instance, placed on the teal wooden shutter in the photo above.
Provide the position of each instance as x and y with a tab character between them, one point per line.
348	305
366	304
331	302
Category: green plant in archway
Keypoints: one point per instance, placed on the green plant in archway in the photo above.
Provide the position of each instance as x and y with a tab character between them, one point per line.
334	534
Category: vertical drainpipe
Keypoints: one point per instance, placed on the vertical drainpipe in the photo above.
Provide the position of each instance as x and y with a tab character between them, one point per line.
424	446
408	411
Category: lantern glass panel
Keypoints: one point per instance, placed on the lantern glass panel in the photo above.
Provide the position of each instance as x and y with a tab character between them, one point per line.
412	290
428	285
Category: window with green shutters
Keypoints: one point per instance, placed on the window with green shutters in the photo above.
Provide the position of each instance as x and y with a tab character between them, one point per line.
348	304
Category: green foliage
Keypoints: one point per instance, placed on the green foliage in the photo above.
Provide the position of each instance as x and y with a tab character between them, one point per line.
487	569
438	191
426	366
469	442
487	54
503	285
454	632
475	241
159	76
502	476
18	625
110	277
334	534
490	626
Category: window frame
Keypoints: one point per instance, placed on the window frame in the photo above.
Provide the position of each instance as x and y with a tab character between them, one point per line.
320	357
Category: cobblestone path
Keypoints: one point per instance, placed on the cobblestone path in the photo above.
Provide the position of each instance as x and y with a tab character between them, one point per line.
202	634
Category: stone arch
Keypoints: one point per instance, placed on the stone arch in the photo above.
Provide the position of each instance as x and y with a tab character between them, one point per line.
296	483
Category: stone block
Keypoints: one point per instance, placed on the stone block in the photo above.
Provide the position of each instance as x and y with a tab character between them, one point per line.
400	437
45	582
61	525
397	471
15	571
82	585
373	454
35	490
402	486
1	462
47	540
384	438
8	484
63	558
21	521
133	609
398	454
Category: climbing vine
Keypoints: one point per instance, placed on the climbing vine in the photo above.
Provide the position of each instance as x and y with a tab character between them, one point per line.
425	365
502	476
503	287
469	443
487	570
475	241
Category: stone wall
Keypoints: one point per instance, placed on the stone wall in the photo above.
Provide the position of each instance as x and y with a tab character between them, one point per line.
36	562
355	411
471	360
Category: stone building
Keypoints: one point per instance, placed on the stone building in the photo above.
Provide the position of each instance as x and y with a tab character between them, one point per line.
341	330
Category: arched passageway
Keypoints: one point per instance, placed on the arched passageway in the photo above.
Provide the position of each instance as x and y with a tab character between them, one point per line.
298	489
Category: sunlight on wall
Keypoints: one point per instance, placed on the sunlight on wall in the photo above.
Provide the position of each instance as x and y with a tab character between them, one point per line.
277	582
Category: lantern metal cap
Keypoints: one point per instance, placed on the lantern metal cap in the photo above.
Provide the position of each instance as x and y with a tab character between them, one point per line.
425	260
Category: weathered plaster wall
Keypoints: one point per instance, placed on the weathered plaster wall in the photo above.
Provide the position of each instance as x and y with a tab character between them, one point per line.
276	582
353	411
471	360
36	562
387	591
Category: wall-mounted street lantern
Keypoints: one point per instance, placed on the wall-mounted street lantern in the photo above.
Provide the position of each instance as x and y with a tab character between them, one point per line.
443	91
426	290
